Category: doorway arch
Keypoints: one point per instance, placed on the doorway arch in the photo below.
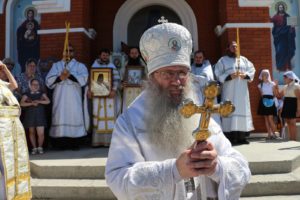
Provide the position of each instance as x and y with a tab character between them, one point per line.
131	7
146	18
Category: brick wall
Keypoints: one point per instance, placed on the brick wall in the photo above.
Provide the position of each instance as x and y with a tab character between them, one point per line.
207	15
103	19
255	45
2	34
52	44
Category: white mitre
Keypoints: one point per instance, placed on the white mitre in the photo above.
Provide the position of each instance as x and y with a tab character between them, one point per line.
166	44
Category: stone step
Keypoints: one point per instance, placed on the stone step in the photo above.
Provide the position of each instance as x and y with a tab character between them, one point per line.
271	157
71	189
92	168
278	197
277	157
273	184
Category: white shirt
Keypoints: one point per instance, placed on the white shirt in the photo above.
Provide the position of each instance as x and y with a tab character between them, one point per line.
266	88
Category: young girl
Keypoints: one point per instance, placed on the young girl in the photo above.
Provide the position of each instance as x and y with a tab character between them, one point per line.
35	118
267	106
291	103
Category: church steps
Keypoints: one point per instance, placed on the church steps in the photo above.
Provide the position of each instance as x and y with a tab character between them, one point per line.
69	168
81	189
274	184
277	197
95	168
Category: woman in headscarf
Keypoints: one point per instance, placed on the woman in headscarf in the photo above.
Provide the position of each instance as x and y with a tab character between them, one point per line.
291	103
267	105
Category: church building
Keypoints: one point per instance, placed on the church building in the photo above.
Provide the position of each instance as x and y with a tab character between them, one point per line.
36	28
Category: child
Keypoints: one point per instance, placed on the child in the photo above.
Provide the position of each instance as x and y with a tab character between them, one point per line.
291	103
35	118
267	106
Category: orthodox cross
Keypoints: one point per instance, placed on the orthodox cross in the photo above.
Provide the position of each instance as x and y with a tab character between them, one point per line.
162	20
188	108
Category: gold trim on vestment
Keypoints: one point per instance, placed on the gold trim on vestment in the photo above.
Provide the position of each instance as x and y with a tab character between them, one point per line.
105	119
16	134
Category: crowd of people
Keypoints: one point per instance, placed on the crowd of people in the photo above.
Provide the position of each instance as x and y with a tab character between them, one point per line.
152	151
63	89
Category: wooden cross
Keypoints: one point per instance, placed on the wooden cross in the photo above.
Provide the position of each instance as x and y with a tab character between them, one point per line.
188	108
162	20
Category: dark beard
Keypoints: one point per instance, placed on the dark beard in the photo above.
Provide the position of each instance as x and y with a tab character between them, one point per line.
134	61
199	65
231	54
102	62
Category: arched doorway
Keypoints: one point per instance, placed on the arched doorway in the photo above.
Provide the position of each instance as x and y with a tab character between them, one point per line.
130	7
146	18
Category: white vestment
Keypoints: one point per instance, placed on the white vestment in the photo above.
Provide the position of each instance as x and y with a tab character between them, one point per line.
14	160
105	110
204	70
236	91
67	110
135	169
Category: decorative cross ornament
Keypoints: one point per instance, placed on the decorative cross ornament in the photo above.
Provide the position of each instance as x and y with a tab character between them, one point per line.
162	20
188	108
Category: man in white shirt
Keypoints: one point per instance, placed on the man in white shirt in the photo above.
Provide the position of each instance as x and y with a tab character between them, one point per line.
152	154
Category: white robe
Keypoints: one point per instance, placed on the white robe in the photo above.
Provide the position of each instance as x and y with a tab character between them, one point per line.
204	70
67	110
236	91
135	171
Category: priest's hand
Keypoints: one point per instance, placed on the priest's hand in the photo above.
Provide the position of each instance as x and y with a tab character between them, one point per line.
64	74
112	94
89	94
196	161
242	75
234	75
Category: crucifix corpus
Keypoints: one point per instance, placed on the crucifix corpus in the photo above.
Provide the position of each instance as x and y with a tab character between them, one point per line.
188	108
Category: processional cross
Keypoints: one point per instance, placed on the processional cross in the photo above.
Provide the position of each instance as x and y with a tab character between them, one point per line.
238	51
188	108
66	53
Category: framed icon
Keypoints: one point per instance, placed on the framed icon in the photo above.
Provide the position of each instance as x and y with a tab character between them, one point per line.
134	75
101	81
118	59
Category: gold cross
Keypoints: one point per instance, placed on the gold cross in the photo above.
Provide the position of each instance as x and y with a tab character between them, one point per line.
188	108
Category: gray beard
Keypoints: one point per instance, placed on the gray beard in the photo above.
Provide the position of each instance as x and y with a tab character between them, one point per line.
168	131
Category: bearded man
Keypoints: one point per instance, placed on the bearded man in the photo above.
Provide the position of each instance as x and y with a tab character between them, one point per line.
151	154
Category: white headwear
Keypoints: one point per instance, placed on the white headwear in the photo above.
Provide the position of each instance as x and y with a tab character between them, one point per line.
291	75
165	45
265	71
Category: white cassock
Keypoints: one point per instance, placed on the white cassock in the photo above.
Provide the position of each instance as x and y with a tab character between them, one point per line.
204	70
67	110
135	169
237	92
105	110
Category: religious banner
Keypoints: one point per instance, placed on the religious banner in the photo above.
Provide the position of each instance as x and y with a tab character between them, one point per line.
284	15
